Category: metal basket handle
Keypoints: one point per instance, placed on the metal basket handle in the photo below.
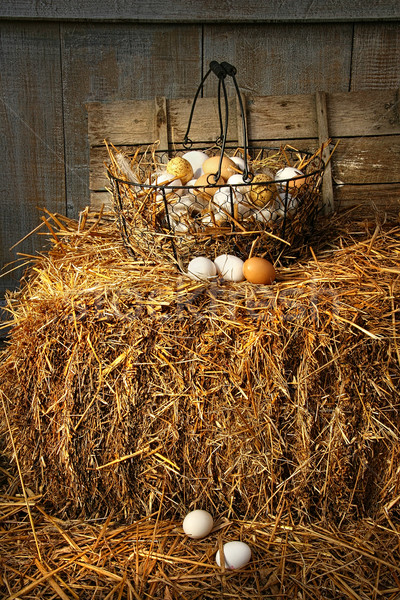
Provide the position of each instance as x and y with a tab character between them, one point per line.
221	70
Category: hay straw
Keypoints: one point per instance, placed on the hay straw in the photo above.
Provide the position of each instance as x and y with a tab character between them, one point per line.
154	559
135	395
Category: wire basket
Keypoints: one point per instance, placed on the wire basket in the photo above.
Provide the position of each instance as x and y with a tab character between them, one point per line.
239	200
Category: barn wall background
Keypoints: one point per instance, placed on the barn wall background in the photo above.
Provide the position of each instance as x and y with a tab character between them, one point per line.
57	56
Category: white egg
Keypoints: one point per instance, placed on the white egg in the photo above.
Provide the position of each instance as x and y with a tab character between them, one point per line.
229	267
288	203
180	227
171	188
239	162
237	179
236	555
196	159
191	183
288	173
201	268
188	204
197	524
266	215
224	199
217	218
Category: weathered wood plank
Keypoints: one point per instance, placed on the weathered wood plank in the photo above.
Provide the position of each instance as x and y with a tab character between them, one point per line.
269	117
369	200
376	56
364	113
234	11
110	62
278	59
32	145
205	125
121	122
323	136
367	160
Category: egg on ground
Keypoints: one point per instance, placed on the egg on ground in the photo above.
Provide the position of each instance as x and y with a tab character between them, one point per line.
201	268
197	524
259	270
230	267
236	555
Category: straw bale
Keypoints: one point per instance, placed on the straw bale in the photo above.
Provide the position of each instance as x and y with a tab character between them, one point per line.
130	389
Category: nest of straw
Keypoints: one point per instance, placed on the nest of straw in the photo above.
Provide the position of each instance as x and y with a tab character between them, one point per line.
158	221
131	389
47	558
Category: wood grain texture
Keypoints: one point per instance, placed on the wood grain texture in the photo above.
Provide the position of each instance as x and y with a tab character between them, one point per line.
369	200
365	163
283	59
370	112
111	62
283	116
323	137
376	56
367	160
206	11
32	145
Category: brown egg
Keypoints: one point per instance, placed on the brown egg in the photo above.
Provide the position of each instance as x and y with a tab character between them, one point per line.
181	168
206	192
259	270
262	195
228	167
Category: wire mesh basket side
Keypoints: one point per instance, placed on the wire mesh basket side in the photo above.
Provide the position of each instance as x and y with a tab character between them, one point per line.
172	221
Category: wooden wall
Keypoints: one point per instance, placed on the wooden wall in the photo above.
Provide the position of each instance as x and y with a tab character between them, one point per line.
57	56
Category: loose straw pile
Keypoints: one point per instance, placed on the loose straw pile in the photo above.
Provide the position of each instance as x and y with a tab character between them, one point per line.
131	394
153	559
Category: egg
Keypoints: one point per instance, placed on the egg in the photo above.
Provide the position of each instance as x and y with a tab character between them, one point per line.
237	180
228	167
201	268
227	202
239	162
236	555
206	180
181	168
197	524
187	204
167	181
259	270
196	159
287	204
288	173
261	193
230	267
267	215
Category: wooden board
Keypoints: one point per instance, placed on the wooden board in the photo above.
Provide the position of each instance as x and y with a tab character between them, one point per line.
32	144
376	56
366	124
116	62
207	10
283	58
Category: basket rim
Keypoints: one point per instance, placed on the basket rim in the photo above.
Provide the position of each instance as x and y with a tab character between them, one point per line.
280	182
